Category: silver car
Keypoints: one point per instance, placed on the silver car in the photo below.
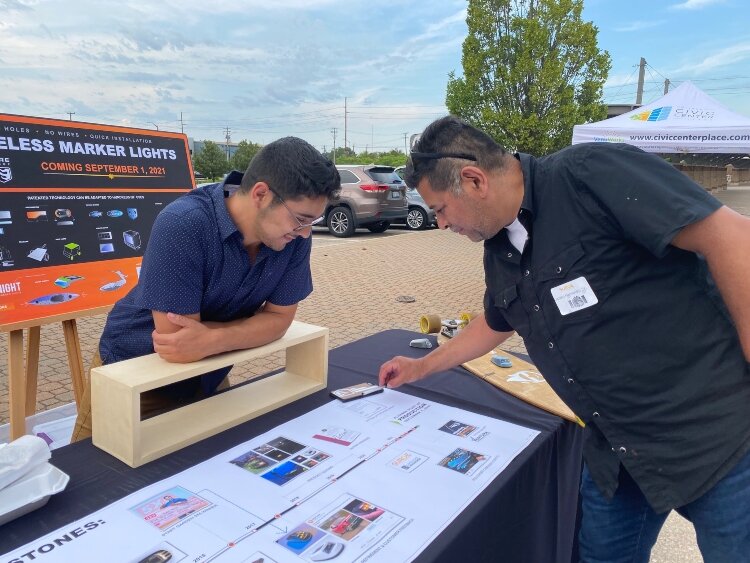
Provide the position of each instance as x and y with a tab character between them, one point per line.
419	216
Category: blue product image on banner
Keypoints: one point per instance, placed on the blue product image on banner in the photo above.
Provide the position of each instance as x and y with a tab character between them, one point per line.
132	239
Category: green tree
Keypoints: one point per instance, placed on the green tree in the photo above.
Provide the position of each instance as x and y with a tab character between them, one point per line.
531	70
210	160
344	155
243	155
394	157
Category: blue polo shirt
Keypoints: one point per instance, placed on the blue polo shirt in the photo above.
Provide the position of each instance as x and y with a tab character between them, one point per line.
195	262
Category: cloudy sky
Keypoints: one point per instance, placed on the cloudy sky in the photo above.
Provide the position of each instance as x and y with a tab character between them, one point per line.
264	69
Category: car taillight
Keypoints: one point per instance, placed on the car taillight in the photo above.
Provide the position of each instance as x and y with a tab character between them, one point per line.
374	187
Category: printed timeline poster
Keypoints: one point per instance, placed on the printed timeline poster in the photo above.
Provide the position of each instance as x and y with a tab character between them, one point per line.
77	201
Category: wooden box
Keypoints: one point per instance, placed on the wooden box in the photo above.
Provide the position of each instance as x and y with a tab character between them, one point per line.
116	389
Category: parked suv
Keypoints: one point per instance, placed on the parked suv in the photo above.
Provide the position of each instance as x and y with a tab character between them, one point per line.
371	196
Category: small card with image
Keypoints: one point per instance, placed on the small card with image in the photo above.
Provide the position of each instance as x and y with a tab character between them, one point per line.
356	391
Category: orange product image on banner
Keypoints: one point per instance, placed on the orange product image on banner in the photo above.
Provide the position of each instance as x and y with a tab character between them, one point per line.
55	290
36	215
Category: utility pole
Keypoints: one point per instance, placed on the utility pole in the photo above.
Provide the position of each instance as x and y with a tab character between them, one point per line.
182	124
406	152
228	138
666	85
372	137
641	74
70	115
334	144
345	145
154	124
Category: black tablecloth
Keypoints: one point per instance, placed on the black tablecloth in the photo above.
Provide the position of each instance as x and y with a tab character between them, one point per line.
527	514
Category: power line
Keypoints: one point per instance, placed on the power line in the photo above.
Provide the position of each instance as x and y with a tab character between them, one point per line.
656	71
679	80
626	83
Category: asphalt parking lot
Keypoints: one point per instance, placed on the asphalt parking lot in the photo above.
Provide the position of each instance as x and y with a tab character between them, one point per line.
358	281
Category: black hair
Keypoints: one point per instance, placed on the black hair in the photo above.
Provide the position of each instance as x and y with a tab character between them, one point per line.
445	147
294	169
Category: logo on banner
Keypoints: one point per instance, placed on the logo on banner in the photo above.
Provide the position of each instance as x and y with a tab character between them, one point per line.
675	113
656	114
6	174
9	288
693	114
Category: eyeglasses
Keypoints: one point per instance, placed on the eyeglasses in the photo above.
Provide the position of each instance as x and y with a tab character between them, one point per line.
438	155
300	225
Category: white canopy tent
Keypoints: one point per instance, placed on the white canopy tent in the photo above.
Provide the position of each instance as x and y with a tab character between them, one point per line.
686	120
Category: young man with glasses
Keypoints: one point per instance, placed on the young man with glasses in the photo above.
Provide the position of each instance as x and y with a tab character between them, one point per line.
224	269
630	287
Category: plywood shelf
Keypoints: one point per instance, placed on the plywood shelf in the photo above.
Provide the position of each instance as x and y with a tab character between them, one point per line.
116	390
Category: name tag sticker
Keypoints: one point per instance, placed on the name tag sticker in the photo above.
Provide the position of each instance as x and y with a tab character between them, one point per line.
573	296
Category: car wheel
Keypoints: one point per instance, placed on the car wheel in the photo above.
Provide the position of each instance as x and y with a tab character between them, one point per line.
340	222
416	219
379	227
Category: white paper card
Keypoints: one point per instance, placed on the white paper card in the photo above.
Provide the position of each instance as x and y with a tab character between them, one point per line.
574	296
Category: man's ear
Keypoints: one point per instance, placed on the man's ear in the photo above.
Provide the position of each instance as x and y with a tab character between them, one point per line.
259	193
475	180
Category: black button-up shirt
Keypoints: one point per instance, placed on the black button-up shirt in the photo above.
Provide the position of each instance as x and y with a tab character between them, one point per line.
648	356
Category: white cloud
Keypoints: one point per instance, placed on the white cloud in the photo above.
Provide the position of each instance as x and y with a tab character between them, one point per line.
729	56
436	40
434	28
615	80
267	69
224	7
640	25
695	4
20	5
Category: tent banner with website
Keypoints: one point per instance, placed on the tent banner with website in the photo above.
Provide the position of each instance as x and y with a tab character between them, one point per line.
685	120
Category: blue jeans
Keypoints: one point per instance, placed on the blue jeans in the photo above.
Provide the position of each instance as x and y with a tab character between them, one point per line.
625	529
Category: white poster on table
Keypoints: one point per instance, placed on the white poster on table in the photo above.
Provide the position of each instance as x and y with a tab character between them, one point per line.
375	479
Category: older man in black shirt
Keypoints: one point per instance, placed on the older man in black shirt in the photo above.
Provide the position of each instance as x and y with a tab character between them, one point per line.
631	288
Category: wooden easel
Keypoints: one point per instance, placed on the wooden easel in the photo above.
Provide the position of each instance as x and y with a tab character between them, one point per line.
22	380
